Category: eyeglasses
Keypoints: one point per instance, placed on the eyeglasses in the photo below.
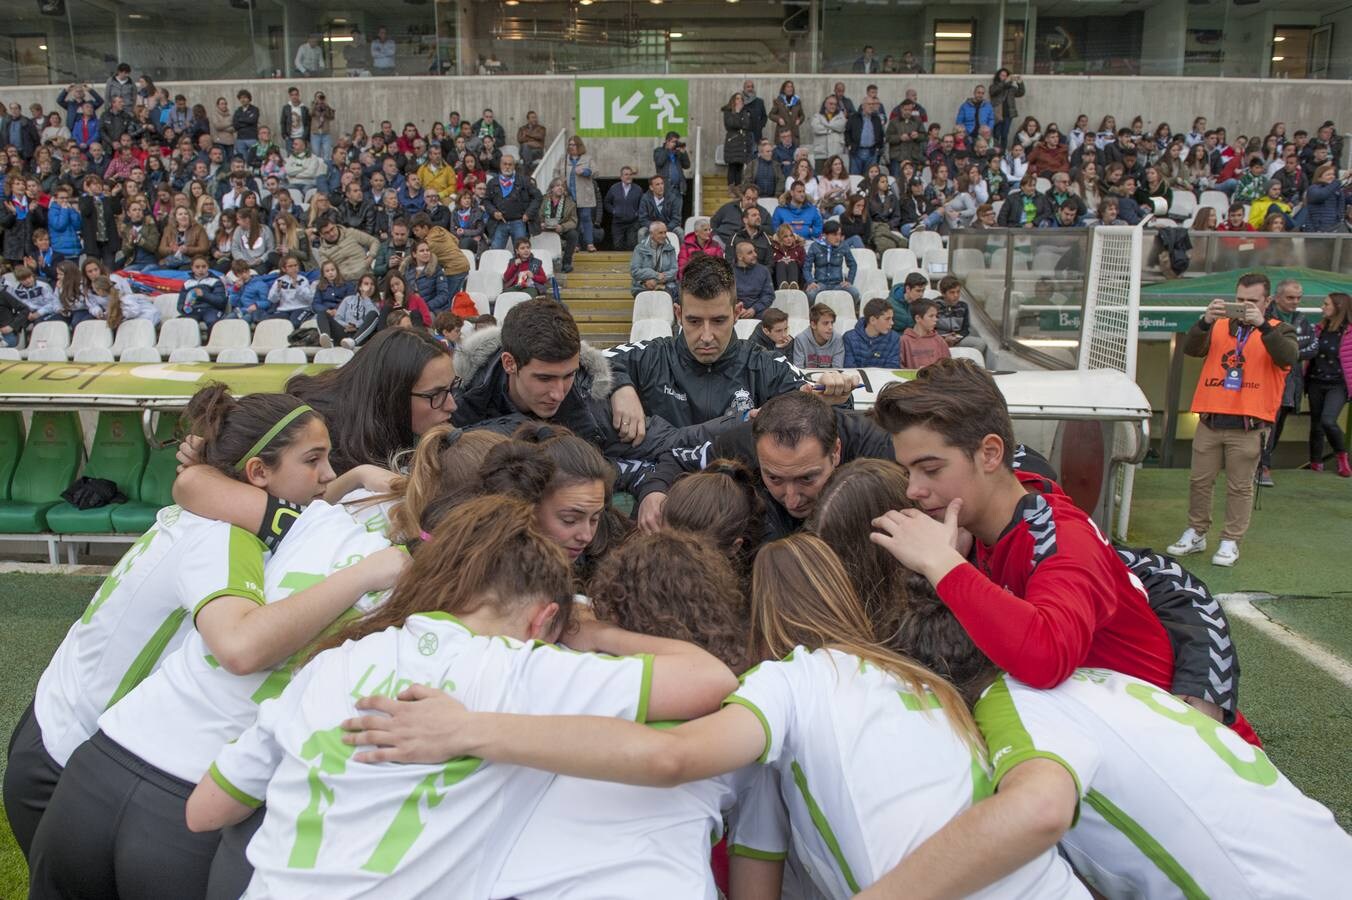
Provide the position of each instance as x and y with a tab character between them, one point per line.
437	398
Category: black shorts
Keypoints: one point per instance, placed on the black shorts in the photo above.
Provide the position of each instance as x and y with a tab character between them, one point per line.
30	779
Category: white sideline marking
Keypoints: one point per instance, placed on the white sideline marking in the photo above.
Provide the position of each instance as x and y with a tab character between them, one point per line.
1240	605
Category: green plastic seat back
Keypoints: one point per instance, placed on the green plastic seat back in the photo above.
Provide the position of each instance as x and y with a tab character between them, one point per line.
51	457
119	451
11	448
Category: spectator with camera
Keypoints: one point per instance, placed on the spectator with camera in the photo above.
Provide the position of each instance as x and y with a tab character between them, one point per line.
1237	398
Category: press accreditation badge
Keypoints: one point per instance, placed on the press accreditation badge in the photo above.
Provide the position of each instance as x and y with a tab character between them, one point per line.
1234	378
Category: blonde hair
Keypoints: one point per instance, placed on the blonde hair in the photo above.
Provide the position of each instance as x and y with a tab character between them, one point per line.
106	287
800	594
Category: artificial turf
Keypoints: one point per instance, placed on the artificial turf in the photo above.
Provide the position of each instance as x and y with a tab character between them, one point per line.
1298	541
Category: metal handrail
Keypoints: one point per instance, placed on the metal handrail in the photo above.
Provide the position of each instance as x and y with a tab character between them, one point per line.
550	161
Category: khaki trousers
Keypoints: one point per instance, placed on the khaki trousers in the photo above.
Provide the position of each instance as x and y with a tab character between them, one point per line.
1236	451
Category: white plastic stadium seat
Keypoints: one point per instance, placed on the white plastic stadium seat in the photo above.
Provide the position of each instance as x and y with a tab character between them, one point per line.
647	329
134	333
968	353
240	356
546	240
271	334
285	356
487	283
769	204
1043	185
189	354
496	262
690	223
49	334
47	354
746	327
931	294
871	283
797	326
176	334
91	333
922	242
794	303
481	303
935	263
334	356
167	304
855	181
842	304
652	305
1184	205
94	355
867	259
897	260
11	353
228	334
506	301
140	355
1217	201
469	258
968	259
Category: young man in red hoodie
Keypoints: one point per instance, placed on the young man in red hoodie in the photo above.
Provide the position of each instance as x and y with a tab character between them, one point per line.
1043	592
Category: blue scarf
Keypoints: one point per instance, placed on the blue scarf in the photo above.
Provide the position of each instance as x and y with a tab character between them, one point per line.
506	185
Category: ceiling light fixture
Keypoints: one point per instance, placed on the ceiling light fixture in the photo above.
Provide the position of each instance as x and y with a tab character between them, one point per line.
677	34
512	2
586	2
952	34
42	46
137	16
1279	38
1278	58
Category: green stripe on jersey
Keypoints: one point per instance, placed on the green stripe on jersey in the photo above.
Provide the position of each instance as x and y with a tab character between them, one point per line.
235	793
824	828
150	654
243	569
752	853
1153	849
645	688
760	717
1008	741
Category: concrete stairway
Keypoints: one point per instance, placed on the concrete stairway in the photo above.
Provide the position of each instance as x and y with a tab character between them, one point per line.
597	294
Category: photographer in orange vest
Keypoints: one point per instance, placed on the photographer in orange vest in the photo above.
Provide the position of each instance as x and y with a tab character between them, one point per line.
1238	394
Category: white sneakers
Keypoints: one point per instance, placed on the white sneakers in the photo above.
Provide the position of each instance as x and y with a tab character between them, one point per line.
1190	542
1227	554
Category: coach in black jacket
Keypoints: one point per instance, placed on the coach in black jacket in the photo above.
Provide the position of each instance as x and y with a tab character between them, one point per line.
795	427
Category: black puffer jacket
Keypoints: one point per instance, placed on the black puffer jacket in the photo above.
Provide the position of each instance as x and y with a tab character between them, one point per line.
677	387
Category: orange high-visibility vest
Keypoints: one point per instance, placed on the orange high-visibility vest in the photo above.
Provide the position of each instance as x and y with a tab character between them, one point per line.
1261	381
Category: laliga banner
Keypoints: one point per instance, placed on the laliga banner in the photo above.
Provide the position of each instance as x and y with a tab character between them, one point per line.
67	384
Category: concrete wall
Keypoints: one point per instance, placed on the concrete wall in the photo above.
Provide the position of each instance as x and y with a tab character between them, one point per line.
1243	106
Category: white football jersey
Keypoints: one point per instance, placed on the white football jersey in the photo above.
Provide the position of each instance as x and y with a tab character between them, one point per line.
596	840
868	771
143	611
1174	804
336	828
179	718
758	828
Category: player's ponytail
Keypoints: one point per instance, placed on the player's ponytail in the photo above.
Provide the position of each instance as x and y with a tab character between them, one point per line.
800	594
444	467
517	469
233	431
104	287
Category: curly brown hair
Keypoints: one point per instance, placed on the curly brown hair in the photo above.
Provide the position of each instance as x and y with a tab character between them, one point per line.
674	584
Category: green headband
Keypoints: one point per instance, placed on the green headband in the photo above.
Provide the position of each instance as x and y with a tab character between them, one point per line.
272	432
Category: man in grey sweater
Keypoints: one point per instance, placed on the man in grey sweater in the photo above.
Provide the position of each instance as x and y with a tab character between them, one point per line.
818	346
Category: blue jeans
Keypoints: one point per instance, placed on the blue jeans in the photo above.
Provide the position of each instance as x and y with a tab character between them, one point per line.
1000	134
853	242
513	230
932	221
9	340
861	159
321	145
585	223
244	145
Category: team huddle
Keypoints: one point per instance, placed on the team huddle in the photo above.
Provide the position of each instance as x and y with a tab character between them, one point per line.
918	670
